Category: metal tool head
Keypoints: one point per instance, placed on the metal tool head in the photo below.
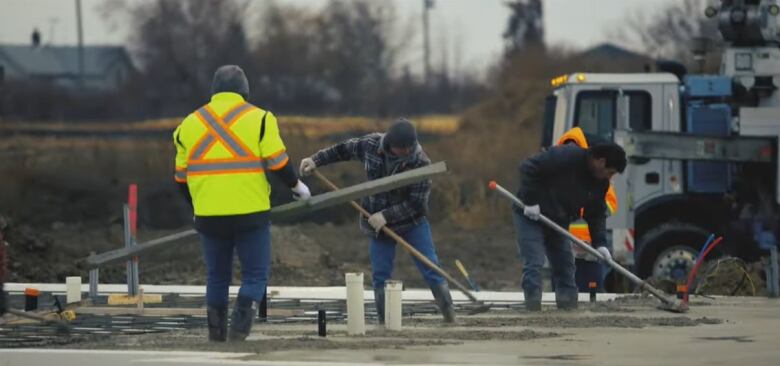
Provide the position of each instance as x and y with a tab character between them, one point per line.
481	307
674	305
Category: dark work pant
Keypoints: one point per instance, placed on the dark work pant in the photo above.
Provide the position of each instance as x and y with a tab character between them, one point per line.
382	253
534	242
253	248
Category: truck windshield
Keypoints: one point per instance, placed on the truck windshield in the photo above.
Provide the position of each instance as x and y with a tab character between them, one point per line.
548	120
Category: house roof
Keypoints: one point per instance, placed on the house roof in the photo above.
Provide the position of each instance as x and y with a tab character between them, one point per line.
60	60
611	51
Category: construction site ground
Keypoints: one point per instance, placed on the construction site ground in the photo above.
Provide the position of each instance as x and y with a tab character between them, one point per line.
626	331
303	255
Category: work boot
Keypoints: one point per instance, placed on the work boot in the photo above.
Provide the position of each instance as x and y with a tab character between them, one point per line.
566	300
533	300
441	293
216	316
379	303
241	320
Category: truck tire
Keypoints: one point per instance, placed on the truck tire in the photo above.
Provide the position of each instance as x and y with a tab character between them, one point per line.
669	250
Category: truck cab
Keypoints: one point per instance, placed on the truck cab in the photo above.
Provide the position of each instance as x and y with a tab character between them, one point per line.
675	192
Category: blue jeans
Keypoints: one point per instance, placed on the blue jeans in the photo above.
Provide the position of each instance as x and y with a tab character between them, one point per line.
254	253
589	271
534	241
381	250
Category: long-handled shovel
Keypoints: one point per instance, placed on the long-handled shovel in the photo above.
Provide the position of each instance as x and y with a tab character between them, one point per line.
481	308
669	303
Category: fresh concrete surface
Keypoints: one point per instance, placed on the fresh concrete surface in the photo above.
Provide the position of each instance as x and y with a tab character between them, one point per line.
747	332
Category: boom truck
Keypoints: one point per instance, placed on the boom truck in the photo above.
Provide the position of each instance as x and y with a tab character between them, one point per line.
703	154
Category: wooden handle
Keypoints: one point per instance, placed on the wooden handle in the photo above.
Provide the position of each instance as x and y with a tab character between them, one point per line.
461	268
409	248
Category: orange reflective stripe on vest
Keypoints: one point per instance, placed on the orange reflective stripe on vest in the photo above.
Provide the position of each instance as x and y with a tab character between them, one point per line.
611	200
218	129
225	166
277	160
207	141
580	231
180	175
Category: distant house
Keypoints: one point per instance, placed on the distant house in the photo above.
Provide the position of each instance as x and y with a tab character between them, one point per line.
106	68
612	55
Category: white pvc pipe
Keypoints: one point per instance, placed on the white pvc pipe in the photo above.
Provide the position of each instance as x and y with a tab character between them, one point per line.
393	301
356	319
72	289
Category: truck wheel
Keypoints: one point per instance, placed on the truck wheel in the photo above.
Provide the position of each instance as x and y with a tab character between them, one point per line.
674	263
669	250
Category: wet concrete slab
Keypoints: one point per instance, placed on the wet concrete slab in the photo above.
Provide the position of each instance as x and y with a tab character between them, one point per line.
725	331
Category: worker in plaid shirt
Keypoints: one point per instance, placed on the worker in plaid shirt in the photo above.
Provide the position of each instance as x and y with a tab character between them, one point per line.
403	209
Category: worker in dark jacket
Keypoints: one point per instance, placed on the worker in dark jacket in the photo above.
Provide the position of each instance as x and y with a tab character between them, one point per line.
559	183
403	210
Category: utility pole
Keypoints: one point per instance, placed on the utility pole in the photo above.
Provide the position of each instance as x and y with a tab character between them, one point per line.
80	30
427	6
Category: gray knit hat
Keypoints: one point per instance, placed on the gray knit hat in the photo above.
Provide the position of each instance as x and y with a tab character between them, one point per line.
401	134
230	78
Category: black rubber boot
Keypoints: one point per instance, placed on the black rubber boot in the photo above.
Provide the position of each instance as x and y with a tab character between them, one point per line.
379	302
533	300
441	293
217	321
566	300
241	320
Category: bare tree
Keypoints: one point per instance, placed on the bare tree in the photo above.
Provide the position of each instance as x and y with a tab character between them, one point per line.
525	27
669	32
341	59
353	41
180	43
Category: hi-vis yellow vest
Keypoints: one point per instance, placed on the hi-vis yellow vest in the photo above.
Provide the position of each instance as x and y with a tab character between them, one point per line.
220	156
579	228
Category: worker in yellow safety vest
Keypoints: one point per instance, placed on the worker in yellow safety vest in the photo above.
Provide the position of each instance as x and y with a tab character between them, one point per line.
223	151
588	268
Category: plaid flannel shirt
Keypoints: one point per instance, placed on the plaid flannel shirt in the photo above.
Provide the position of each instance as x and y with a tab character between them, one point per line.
403	207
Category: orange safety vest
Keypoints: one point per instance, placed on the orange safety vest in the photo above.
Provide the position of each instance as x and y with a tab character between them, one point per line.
579	228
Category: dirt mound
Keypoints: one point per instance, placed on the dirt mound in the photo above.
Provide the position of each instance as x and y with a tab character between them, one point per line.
27	253
301	260
302	255
731	277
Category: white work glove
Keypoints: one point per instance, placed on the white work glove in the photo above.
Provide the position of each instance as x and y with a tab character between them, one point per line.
301	192
377	221
532	212
605	253
307	167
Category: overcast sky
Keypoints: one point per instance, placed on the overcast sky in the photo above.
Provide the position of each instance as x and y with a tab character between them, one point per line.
470	29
